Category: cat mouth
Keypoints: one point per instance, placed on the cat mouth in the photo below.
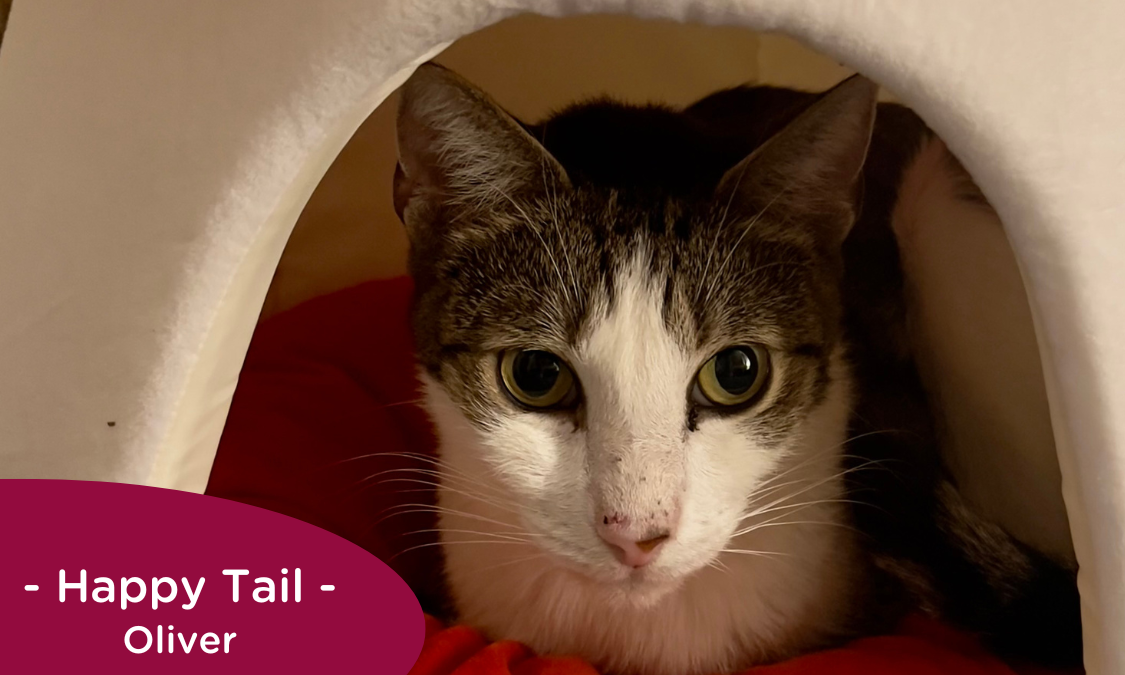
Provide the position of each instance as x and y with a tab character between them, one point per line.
618	578
642	579
614	576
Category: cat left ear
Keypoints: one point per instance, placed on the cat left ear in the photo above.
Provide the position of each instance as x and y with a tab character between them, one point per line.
810	169
457	146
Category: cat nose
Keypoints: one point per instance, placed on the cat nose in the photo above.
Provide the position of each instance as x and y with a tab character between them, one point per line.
632	552
630	549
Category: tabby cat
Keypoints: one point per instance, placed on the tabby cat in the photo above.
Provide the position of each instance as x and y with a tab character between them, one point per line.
680	428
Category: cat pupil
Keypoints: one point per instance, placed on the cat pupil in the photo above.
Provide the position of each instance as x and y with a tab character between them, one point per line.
736	370
536	372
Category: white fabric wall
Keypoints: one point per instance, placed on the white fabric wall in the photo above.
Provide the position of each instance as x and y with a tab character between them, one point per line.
154	156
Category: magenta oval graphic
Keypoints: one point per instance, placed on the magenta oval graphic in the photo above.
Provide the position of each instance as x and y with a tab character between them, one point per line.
159	572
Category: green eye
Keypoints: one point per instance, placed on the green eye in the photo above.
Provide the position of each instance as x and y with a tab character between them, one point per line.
732	377
536	378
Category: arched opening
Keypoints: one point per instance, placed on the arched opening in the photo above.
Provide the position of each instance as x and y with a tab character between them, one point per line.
962	283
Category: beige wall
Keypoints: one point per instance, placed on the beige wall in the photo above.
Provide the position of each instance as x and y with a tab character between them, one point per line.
349	233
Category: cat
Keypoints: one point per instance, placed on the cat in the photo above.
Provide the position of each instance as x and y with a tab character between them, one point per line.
680	430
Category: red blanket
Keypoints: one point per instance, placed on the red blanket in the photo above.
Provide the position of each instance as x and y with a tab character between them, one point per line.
324	412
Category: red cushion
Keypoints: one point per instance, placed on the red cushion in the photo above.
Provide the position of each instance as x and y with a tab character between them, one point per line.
318	428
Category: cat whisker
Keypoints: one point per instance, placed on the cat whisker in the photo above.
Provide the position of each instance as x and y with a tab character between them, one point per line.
816	484
786	512
412	401
826	523
501	503
718	564
762	494
826	451
449	470
444	468
479	498
403	509
445	479
506	563
796	467
816	502
813	502
387	472
776	520
393	453
764	554
781	500
482	542
496	535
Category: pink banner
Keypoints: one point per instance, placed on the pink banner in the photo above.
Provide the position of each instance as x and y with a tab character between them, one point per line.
130	579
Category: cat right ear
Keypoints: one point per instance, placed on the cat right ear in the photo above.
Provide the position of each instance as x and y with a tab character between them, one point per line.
457	147
810	169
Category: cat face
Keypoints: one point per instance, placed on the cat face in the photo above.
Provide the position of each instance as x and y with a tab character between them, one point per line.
637	378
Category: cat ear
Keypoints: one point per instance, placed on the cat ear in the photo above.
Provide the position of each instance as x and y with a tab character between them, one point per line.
456	146
810	169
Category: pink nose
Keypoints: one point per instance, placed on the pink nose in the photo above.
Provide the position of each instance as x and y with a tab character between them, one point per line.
630	550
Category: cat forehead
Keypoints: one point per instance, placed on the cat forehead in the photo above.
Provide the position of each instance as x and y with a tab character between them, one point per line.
545	273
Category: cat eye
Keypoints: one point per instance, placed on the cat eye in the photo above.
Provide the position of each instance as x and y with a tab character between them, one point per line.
732	377
537	379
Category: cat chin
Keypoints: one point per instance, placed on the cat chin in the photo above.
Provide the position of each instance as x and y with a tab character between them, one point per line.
620	586
641	593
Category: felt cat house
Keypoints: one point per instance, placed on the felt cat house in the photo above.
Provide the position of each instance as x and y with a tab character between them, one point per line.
154	157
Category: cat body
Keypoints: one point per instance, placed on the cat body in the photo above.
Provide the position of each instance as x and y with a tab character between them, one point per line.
650	360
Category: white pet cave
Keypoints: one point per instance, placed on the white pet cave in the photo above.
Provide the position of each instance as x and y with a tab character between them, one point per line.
154	157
